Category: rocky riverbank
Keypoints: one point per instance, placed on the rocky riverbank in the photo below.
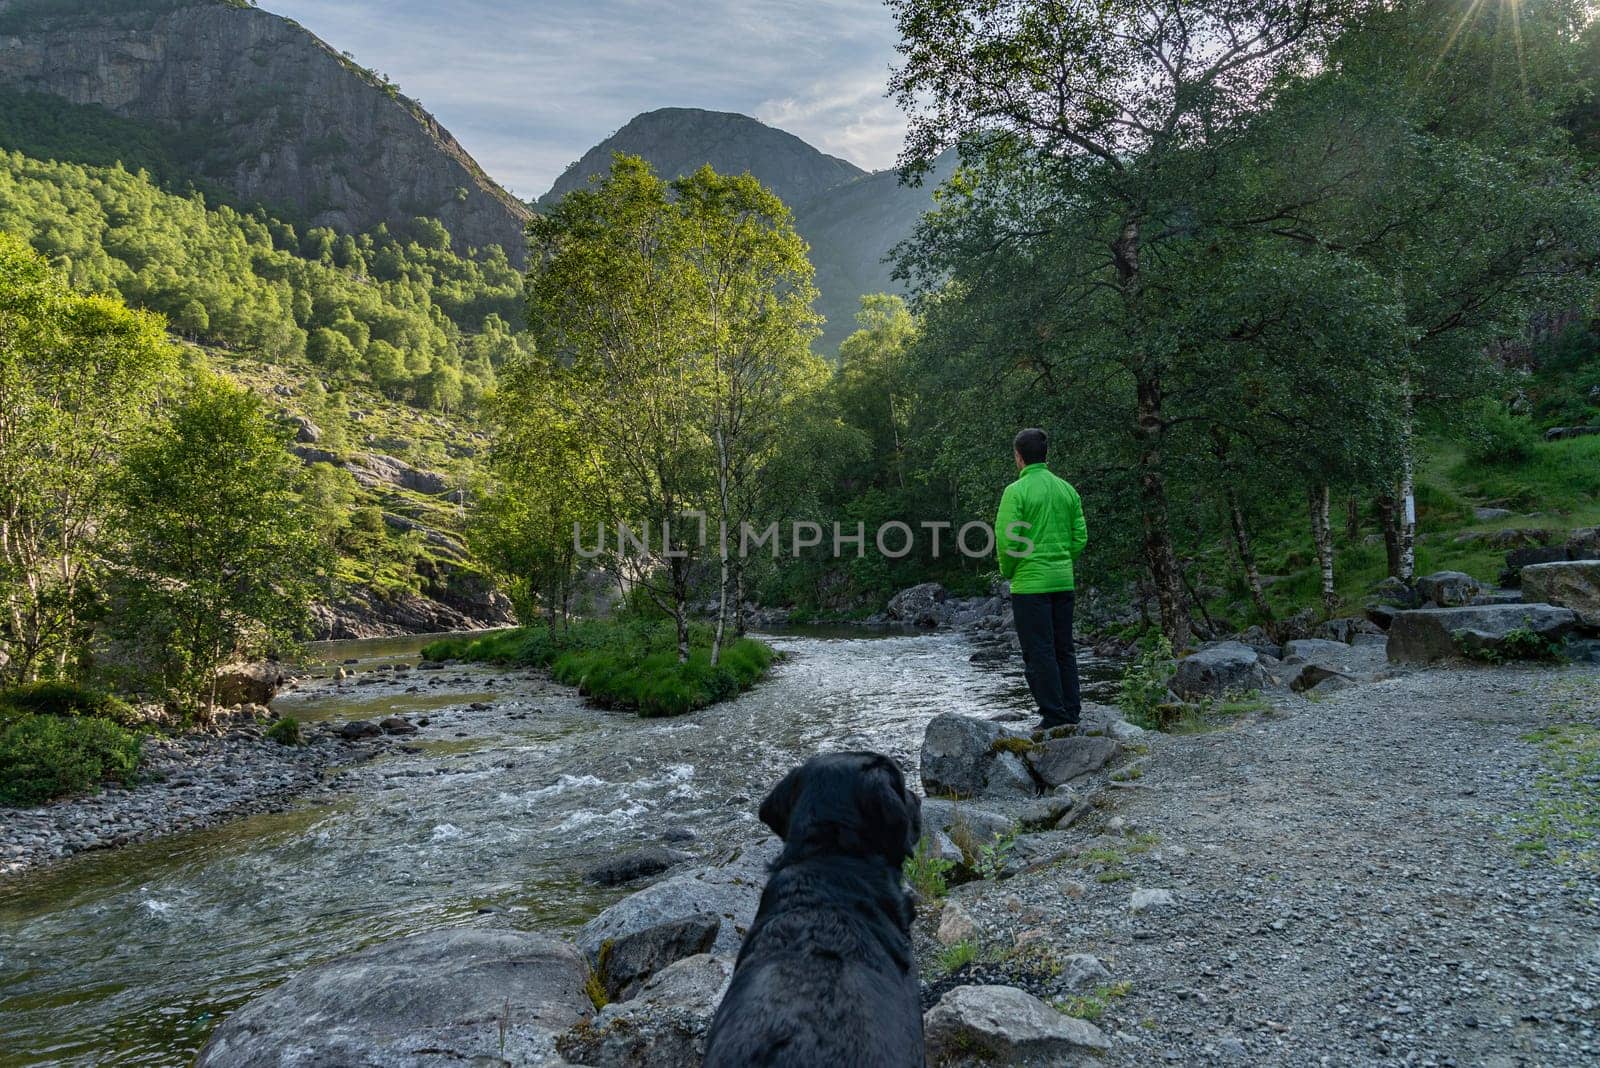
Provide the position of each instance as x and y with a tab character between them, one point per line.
1393	870
187	782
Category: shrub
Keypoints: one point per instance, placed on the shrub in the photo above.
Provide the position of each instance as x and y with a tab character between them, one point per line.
285	732
629	663
56	697
925	871
43	756
1500	437
1145	684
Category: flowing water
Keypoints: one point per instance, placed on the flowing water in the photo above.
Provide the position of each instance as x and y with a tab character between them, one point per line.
131	957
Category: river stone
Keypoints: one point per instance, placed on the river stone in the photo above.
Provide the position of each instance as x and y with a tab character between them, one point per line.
968	826
635	864
922	605
664	1025
1003	1025
1573	584
1346	629
628	962
1425	636
1313	661
1061	760
730	892
1219	669
428	1001
1517	559
1009	776
957	752
1448	589
256	683
397	725
360	728
1147	899
1080	971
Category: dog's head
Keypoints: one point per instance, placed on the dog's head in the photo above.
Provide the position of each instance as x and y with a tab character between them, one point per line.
847	803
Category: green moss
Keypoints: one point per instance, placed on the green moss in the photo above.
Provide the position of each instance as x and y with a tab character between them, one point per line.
285	731
1011	744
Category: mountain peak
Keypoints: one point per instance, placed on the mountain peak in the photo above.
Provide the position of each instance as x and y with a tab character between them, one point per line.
678	141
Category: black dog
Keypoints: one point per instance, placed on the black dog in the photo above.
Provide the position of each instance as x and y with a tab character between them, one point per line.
826	976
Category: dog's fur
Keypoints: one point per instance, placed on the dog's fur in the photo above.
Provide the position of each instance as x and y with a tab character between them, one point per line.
826	975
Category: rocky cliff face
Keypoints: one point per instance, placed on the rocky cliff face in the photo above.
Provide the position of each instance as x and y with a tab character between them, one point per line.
271	112
679	141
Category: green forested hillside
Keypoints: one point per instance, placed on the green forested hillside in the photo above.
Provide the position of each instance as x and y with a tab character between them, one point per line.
397	310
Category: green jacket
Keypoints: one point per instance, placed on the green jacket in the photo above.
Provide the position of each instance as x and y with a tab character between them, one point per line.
1039	532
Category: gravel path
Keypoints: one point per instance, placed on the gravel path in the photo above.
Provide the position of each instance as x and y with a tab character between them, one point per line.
1346	887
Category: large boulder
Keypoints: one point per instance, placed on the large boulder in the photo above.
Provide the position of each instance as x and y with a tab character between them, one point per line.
1310	662
1583	544
1448	589
1573	584
1428	635
922	605
626	963
1060	760
1345	629
961	757
974	1025
664	1026
1517	559
444	998
1218	669
249	684
730	892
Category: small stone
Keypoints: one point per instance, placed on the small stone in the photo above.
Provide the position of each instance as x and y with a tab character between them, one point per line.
1004	1025
956	925
1146	899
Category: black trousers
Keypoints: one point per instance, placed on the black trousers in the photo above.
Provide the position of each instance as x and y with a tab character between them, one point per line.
1044	624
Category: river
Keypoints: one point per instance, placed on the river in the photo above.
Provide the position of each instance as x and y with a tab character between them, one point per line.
130	957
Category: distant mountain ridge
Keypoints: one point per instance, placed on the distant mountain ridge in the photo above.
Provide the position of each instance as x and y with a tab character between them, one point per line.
270	112
851	219
679	141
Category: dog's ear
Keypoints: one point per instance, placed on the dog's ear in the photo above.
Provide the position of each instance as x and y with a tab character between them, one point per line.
891	815
779	805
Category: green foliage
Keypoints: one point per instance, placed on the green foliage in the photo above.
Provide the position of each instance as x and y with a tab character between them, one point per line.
58	697
1519	643
1501	438
399	310
77	377
46	756
988	861
218	557
285	731
925	870
1145	685
627	664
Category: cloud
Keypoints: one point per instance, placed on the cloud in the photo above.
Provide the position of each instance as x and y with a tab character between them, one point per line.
528	88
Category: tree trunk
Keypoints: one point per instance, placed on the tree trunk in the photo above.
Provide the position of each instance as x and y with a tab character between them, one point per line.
1158	553
1322	536
1408	494
738	600
1389	519
1247	556
1352	518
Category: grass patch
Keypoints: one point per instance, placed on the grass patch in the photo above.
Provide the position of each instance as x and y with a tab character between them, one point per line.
628	664
956	956
1093	1005
44	757
1564	825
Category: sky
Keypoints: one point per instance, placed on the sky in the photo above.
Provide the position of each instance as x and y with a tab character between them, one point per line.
528	86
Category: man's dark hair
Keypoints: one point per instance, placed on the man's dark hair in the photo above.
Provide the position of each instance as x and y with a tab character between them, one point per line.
1031	444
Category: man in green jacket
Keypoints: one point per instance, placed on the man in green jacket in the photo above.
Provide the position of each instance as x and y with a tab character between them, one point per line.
1039	532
